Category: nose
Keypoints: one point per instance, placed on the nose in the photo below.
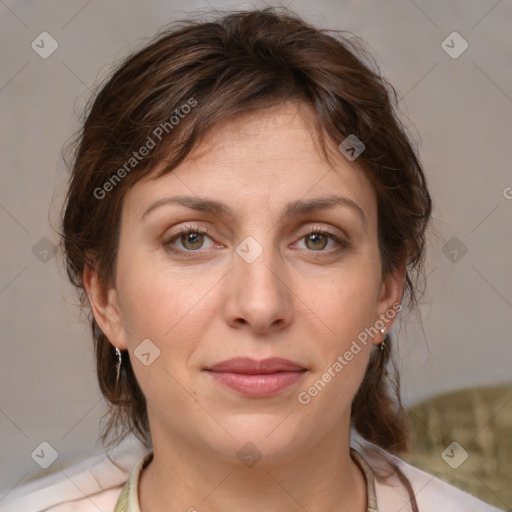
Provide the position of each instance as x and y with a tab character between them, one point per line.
258	294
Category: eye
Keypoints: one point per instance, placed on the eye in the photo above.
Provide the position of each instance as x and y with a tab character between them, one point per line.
191	239
318	239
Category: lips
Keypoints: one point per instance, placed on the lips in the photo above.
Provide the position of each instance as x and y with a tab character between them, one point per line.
254	367
257	378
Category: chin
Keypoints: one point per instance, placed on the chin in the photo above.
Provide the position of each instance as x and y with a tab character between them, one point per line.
258	438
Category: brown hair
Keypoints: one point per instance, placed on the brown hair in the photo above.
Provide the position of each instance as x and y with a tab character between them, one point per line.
238	63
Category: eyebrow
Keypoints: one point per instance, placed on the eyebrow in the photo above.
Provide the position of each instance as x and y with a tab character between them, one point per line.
295	208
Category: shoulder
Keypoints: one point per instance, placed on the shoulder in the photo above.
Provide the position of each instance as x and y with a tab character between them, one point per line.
431	493
92	484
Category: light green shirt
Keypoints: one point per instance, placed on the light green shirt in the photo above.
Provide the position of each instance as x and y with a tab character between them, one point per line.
129	499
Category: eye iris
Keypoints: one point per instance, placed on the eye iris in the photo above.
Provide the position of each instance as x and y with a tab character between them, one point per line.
196	239
315	237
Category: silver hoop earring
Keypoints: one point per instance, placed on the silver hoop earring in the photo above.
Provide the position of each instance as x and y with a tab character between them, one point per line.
118	366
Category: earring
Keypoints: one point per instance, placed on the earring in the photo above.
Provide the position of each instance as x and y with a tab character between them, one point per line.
383	342
118	366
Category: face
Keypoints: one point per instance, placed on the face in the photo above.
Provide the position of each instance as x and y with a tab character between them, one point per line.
262	270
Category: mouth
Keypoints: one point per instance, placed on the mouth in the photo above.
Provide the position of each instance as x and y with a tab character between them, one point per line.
255	378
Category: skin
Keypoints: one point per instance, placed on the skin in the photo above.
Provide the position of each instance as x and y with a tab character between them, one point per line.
301	299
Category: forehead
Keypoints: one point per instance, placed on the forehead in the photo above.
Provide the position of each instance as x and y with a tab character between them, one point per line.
255	163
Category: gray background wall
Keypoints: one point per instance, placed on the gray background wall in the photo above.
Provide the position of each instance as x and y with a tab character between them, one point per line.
461	108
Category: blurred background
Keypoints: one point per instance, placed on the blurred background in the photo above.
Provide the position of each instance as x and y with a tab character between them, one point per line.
451	64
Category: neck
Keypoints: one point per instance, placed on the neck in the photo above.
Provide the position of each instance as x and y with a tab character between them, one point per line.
187	478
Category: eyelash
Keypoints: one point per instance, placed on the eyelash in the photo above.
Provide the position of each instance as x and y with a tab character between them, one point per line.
194	229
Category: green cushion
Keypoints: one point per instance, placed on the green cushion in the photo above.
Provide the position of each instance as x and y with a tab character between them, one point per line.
480	421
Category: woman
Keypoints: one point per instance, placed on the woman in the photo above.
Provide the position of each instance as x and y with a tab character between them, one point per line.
246	218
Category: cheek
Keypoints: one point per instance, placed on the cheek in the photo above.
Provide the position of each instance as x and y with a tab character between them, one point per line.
346	309
156	300
171	307
346	304
167	308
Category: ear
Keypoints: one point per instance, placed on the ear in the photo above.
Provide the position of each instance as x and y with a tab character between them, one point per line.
390	298
105	308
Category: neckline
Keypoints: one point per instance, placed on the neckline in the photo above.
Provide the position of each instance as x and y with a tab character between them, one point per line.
129	498
371	496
